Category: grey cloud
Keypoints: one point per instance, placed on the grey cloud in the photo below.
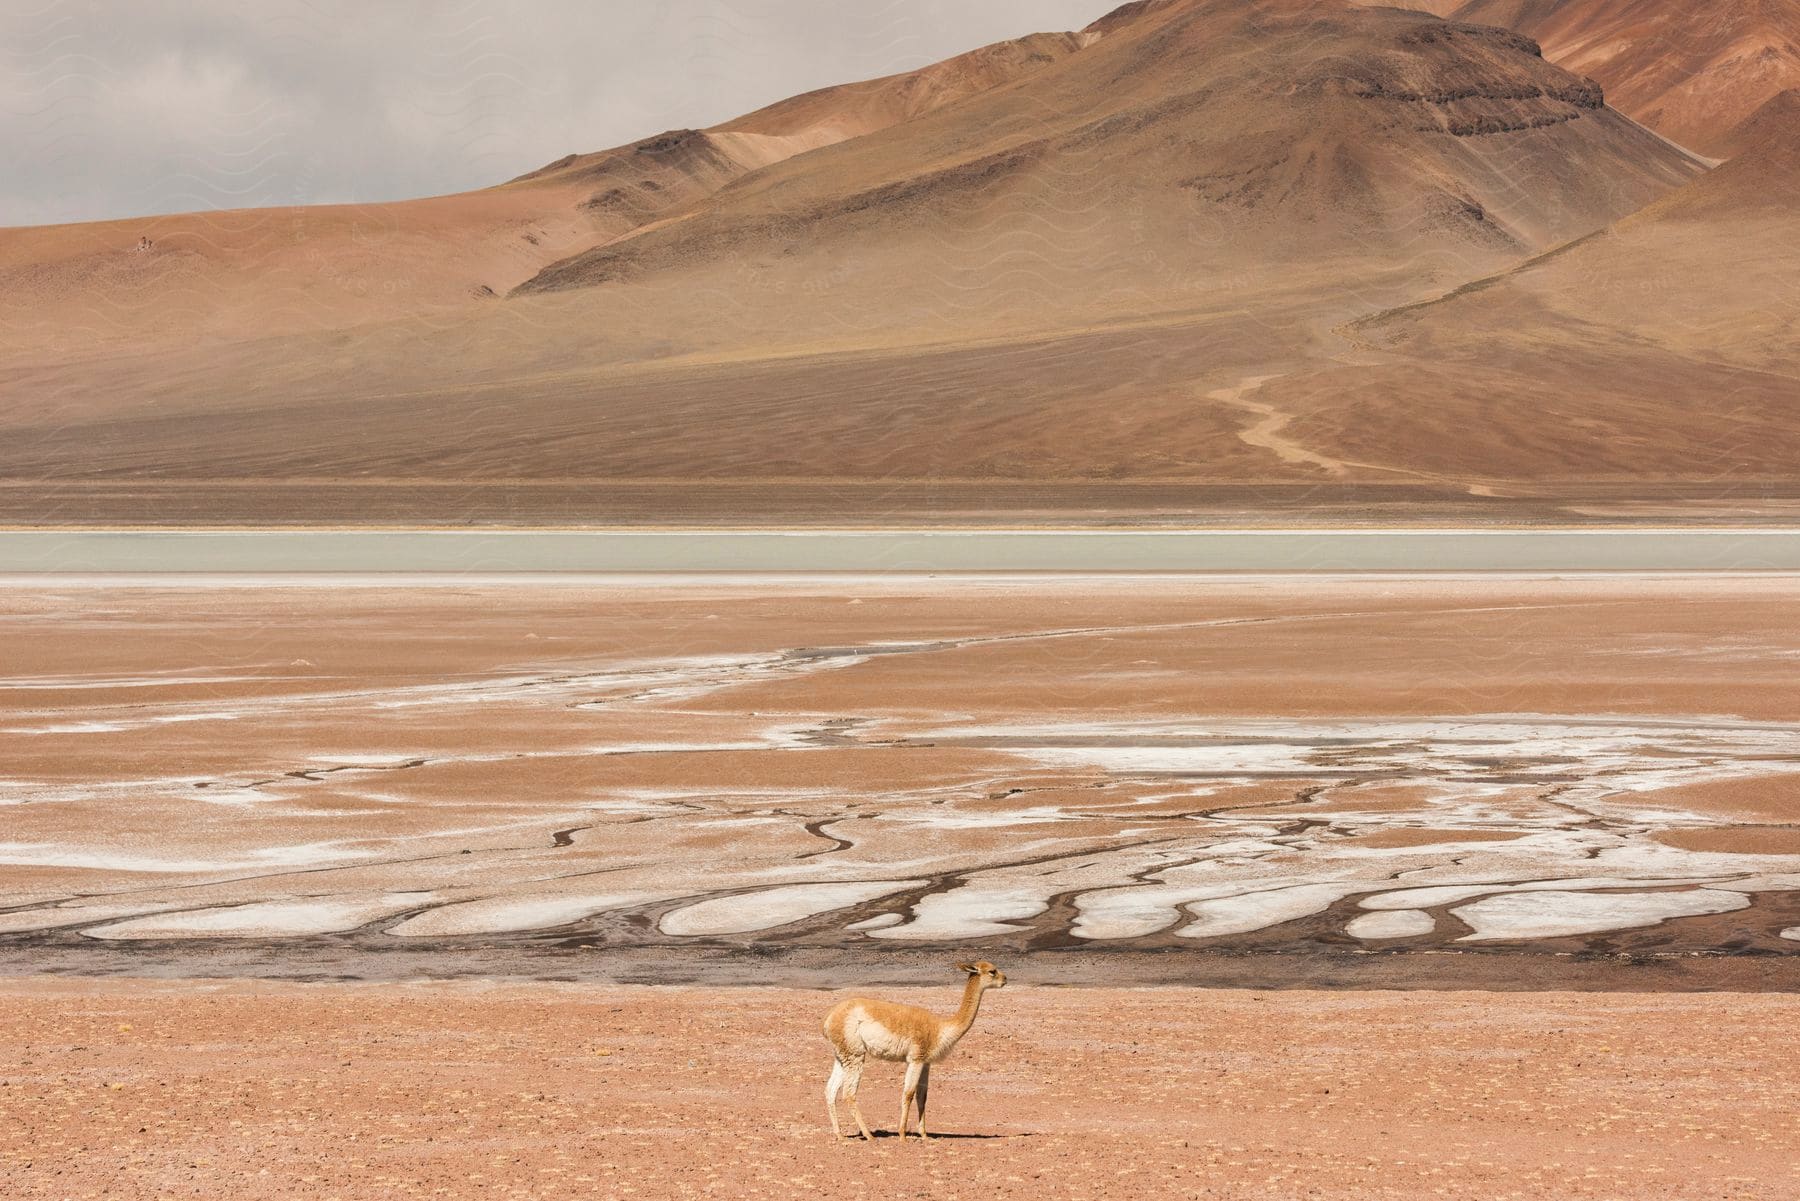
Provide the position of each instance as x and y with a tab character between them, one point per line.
112	109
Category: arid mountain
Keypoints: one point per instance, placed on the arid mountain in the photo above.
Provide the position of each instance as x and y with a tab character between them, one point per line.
1132	273
159	281
1227	133
1690	69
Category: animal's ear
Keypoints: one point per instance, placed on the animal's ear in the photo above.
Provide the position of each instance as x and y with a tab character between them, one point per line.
967	967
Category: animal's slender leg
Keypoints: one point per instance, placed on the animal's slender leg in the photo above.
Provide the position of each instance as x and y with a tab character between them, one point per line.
907	1091
919	1098
852	1082
831	1096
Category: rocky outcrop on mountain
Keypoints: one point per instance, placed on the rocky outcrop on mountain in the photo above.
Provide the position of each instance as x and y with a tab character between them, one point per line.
1691	71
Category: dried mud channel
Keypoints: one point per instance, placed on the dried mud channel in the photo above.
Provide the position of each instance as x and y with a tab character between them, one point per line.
1338	783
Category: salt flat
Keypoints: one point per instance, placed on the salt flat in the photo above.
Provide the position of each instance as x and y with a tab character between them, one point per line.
520	778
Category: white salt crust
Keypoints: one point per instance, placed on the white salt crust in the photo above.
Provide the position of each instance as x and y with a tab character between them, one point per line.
1522	915
267	919
772	907
1392	923
499	915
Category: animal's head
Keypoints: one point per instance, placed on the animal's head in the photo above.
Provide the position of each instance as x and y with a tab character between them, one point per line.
989	975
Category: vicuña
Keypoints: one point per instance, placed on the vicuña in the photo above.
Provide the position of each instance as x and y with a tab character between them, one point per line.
861	1029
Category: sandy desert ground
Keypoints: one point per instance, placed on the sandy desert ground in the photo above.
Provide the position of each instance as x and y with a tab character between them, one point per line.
148	1090
1255	781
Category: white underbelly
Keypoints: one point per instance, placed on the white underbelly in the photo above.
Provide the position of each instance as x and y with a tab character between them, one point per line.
880	1042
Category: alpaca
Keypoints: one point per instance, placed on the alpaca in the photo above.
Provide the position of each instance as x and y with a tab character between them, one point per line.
860	1029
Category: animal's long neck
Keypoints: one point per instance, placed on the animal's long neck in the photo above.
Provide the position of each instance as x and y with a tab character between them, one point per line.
965	1013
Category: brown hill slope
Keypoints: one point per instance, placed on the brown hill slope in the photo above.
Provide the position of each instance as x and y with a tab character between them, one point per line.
1666	347
634	181
1766	125
1690	70
119	286
148	283
1710	270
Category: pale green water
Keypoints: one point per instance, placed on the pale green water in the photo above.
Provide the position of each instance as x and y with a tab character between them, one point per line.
509	552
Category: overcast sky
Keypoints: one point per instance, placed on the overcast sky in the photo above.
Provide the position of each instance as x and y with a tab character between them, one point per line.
114	108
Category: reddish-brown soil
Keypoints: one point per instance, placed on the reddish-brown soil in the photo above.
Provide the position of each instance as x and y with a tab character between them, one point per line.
257	1092
1690	71
1737	840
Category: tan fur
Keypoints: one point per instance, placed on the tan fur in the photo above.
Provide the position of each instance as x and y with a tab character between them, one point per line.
861	1029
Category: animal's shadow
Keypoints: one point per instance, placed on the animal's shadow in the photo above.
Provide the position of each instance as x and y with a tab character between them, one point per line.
935	1136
